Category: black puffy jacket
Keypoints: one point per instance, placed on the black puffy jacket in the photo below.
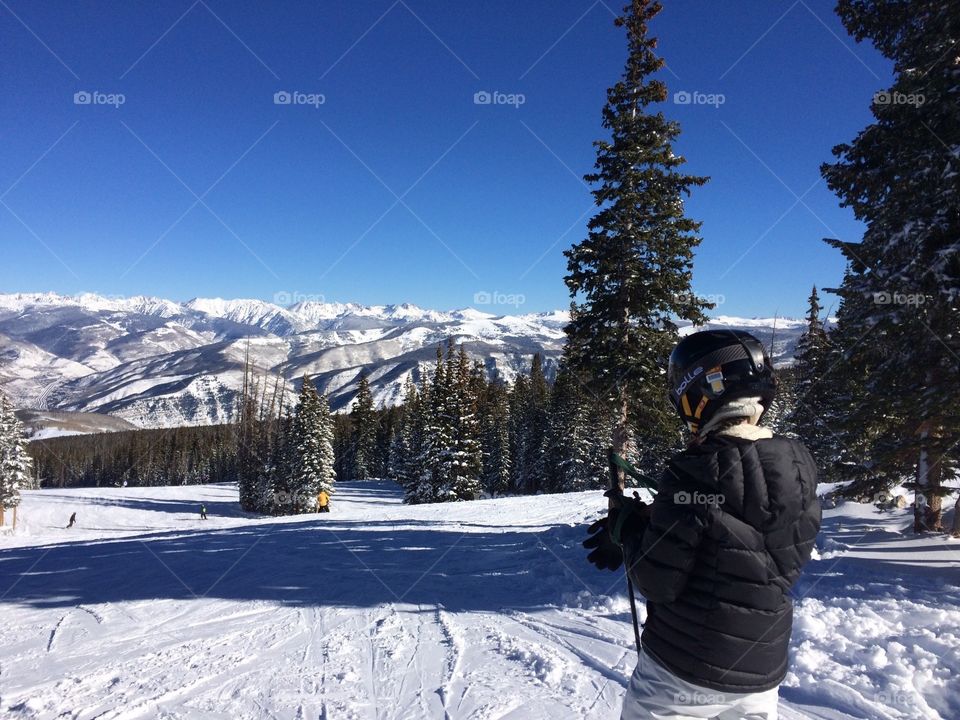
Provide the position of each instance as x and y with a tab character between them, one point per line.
732	524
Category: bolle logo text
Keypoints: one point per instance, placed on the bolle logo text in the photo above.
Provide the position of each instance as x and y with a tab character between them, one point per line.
689	378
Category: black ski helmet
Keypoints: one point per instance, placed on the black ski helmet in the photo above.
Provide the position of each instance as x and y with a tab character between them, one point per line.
712	367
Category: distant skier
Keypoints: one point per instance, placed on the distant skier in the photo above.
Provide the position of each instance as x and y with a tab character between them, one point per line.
323	502
73	521
203	512
716	554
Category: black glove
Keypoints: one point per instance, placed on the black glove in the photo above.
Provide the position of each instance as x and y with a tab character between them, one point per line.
626	517
605	553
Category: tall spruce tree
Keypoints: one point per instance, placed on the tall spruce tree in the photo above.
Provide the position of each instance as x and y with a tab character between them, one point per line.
467	454
568	443
900	176
364	438
15	462
810	388
537	416
312	444
630	279
495	434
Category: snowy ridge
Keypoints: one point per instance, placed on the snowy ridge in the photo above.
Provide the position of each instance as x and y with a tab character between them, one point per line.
160	363
483	609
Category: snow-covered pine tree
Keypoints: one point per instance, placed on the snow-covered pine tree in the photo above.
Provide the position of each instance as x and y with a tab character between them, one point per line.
811	388
534	466
529	409
279	488
403	439
495	435
467	458
327	475
519	398
15	462
312	442
569	442
780	416
418	467
431	464
900	176
446	403
364	438
630	279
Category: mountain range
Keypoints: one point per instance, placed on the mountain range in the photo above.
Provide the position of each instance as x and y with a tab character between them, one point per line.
159	363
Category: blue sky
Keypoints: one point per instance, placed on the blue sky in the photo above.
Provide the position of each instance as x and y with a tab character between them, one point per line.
398	187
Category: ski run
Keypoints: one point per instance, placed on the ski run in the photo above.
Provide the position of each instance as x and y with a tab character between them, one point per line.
381	610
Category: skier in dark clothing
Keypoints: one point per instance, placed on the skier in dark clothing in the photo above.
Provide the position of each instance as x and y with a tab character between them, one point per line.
73	520
734	521
203	512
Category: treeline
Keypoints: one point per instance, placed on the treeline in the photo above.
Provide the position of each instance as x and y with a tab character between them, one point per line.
458	435
173	456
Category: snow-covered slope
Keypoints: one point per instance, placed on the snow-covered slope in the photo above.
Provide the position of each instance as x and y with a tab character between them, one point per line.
159	363
55	423
485	609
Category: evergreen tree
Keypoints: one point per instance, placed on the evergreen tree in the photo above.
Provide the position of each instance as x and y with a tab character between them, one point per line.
630	279
495	433
519	437
432	465
364	439
15	462
467	454
810	389
403	442
327	475
312	442
418	469
899	175
537	415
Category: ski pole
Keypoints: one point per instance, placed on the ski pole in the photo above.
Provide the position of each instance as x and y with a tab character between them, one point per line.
617	484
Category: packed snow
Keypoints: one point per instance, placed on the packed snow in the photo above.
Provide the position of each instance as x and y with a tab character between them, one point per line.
485	609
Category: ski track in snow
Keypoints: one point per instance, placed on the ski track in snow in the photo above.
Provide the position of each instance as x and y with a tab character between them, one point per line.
380	611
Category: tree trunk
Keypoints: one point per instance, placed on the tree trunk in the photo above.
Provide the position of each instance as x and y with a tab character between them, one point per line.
620	440
934	499
956	519
920	494
928	504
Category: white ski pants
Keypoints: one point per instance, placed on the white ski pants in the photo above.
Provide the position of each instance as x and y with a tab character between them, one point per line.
655	692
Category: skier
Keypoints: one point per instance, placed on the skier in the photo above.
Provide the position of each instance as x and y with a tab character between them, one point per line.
323	501
203	512
73	520
733	522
